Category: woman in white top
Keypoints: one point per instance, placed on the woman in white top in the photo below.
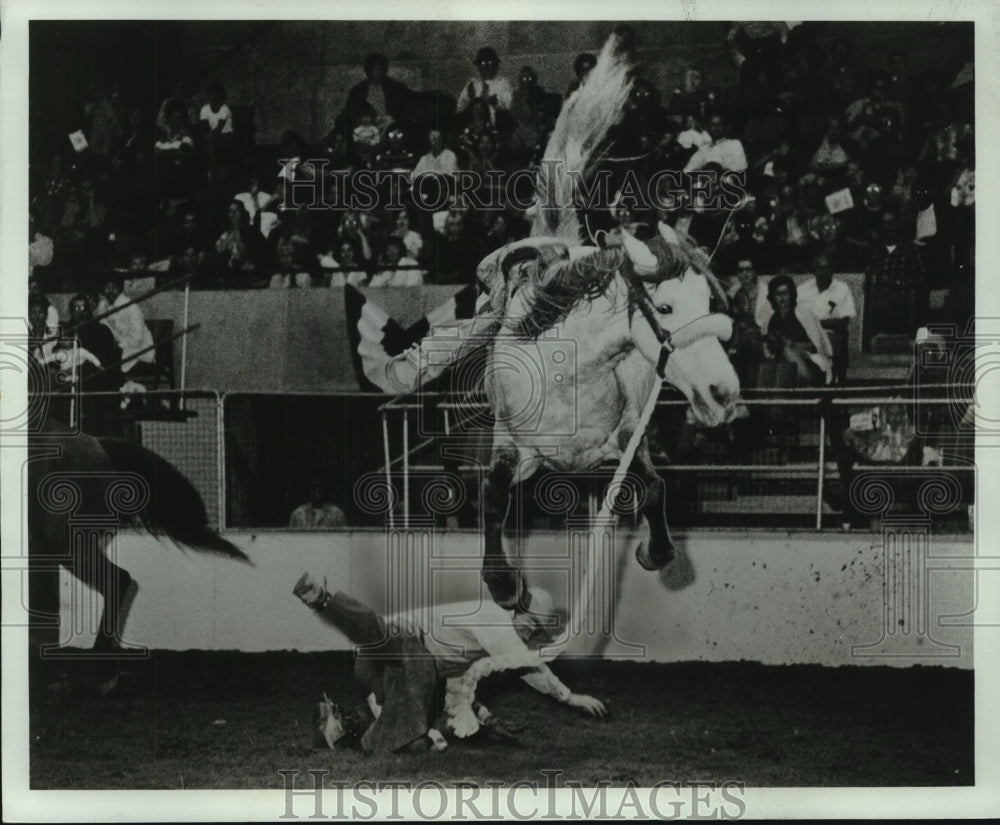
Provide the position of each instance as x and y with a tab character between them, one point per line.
412	240
347	271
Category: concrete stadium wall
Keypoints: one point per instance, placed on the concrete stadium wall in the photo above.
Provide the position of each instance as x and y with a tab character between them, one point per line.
774	598
274	339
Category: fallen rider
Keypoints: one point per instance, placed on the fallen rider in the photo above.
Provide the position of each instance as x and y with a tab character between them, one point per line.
402	659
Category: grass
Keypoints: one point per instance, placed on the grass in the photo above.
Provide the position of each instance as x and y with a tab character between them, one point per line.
224	720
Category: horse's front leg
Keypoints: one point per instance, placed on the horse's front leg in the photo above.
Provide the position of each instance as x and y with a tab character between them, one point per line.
502	578
660	551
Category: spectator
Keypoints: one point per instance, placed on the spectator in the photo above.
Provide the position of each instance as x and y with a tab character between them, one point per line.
385	98
747	308
411	239
345	267
353	228
756	49
527	108
102	121
795	336
830	300
127	325
365	132
456	251
337	151
239	247
259	205
174	154
289	269
493	90
190	232
643	117
396	268
394	155
40	247
41	342
749	303
99	363
693	136
317	513
727	152
870	118
835	150
583	64
175	102
439	159
216	120
51	313
690	101
190	260
895	299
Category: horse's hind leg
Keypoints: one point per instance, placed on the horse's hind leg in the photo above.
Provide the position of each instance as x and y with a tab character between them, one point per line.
660	551
502	578
91	566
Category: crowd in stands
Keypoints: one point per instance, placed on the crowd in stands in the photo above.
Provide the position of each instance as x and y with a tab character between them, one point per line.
851	165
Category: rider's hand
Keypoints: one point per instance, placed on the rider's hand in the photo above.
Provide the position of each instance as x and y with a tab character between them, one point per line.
588	704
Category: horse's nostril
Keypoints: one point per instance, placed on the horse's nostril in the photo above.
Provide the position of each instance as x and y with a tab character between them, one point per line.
721	395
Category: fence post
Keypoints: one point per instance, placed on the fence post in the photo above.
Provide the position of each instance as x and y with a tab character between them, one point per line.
388	469
822	470
406	468
220	418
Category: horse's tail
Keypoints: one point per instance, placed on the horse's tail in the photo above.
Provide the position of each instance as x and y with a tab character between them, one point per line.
175	508
584	122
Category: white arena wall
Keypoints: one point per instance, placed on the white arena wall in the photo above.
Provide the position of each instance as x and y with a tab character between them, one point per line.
774	598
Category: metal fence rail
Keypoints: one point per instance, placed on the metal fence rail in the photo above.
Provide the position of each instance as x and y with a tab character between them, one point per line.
198	435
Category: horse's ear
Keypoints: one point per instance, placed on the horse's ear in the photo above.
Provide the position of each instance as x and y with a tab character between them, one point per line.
643	260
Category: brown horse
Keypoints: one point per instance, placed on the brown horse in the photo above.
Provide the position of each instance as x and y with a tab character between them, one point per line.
80	489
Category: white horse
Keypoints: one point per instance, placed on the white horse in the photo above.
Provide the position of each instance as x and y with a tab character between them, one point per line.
634	313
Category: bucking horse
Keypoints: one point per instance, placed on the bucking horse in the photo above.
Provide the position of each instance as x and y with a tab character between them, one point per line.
638	311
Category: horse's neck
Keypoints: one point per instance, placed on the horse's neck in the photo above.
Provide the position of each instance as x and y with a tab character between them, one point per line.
600	327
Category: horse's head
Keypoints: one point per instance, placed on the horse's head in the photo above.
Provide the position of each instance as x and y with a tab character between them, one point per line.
669	277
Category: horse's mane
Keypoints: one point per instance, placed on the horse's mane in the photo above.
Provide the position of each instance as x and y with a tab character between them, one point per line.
583	123
563	286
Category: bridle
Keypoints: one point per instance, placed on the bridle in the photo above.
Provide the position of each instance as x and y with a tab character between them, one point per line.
696	328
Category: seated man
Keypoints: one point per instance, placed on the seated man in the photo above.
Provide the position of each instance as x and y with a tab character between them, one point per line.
830	300
404	657
317	513
127	325
724	151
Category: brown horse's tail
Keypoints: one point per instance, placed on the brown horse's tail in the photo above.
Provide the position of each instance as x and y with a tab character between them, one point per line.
175	508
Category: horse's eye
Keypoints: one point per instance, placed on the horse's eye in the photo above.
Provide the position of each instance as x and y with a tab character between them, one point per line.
664	309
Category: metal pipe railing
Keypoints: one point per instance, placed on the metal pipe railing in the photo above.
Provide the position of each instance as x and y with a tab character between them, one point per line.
785	398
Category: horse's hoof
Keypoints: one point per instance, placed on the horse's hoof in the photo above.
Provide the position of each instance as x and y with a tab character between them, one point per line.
648	561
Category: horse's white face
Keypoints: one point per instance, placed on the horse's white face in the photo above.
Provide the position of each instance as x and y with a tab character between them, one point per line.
701	370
